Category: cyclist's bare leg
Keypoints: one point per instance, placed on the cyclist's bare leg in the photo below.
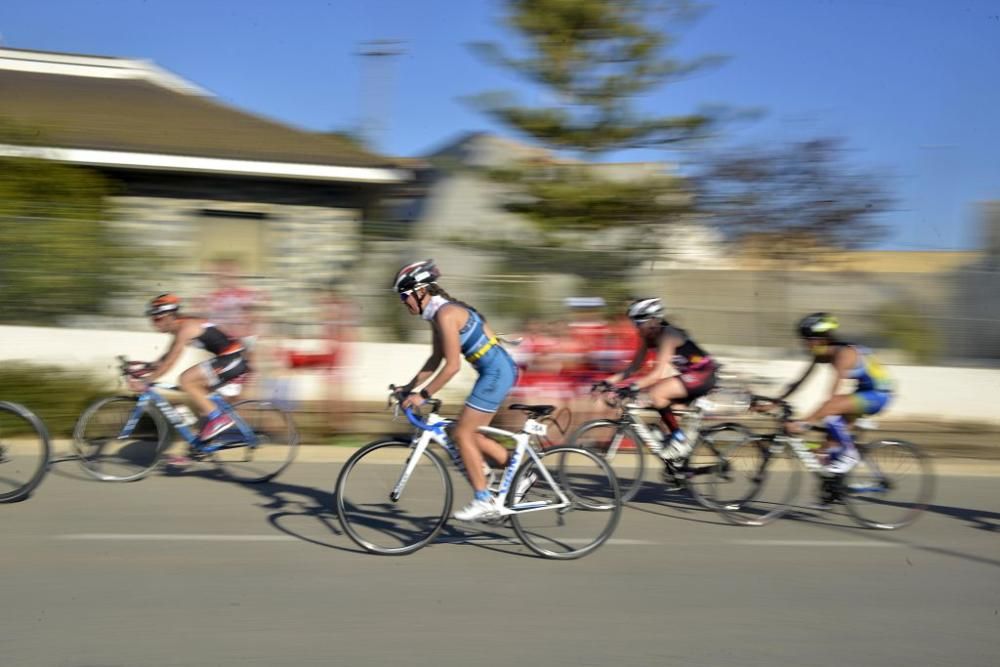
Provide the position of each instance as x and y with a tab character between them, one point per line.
472	445
193	382
665	392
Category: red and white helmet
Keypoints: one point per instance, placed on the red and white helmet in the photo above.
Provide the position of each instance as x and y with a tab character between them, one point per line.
415	275
163	304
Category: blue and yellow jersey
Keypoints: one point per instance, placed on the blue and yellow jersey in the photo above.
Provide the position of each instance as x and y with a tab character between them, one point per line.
869	372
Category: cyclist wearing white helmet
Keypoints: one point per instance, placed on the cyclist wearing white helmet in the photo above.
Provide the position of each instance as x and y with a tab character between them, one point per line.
676	352
851	362
459	330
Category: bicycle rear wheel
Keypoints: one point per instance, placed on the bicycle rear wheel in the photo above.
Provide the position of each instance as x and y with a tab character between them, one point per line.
890	486
761	483
277	441
620	446
24	452
107	456
376	520
575	530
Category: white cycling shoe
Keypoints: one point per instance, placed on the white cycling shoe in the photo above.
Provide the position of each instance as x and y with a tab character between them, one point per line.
479	510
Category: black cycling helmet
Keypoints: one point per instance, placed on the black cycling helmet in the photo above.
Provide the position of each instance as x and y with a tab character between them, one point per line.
817	325
163	304
418	274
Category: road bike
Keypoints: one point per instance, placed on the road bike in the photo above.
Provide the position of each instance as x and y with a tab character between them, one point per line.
888	488
629	443
24	452
394	495
122	438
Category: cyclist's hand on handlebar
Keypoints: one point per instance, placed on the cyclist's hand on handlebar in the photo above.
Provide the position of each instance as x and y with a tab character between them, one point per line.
764	404
136	384
412	401
600	386
797	428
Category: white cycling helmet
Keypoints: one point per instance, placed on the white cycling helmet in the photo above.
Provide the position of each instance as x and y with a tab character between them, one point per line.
645	309
415	275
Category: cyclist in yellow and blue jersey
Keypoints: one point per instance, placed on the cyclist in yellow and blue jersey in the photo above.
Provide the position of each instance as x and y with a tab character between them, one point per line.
459	330
851	362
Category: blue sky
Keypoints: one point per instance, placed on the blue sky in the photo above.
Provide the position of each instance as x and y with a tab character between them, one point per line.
912	85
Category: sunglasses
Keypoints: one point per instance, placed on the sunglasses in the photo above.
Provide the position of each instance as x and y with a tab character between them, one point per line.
403	296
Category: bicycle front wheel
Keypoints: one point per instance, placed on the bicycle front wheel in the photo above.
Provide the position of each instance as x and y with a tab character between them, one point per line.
276	441
105	453
761	482
567	504
24	452
621	448
890	486
707	471
384	513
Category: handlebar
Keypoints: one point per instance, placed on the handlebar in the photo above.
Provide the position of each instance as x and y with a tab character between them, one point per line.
134	369
784	406
396	397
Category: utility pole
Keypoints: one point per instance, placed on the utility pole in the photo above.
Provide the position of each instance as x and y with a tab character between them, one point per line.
375	84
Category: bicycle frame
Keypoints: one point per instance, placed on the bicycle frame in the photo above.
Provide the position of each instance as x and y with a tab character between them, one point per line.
248	438
433	430
630	416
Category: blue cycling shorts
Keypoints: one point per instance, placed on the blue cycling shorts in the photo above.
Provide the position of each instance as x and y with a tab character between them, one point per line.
497	376
871	402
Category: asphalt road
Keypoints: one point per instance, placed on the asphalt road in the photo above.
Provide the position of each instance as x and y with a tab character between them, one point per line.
191	570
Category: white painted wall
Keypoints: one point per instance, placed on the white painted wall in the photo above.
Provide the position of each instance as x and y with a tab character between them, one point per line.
924	392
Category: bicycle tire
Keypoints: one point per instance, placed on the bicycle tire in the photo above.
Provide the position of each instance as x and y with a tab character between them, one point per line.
129	460
867	486
26	451
622	448
763	482
362	499
276	447
601	491
706	468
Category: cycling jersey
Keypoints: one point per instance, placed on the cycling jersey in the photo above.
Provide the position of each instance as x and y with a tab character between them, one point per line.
497	370
869	373
688	356
228	363
216	341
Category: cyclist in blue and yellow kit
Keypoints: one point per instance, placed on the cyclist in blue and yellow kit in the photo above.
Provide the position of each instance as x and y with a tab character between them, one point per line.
459	330
850	362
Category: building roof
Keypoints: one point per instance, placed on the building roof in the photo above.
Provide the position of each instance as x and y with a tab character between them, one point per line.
132	114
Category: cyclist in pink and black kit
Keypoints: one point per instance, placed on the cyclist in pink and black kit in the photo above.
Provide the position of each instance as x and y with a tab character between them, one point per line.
227	364
696	371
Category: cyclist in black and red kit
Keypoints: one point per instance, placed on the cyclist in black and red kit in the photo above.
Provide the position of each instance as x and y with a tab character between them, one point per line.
199	380
696	371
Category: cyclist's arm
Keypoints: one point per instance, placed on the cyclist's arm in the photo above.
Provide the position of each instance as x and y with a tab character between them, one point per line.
664	368
843	362
188	332
430	366
448	323
640	357
793	387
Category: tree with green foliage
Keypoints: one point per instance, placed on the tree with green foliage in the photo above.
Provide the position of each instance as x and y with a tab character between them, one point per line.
57	255
595	59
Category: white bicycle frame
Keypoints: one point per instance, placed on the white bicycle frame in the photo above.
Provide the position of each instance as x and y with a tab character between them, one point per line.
694	415
432	430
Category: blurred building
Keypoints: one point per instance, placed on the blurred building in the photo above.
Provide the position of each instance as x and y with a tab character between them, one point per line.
454	213
197	179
